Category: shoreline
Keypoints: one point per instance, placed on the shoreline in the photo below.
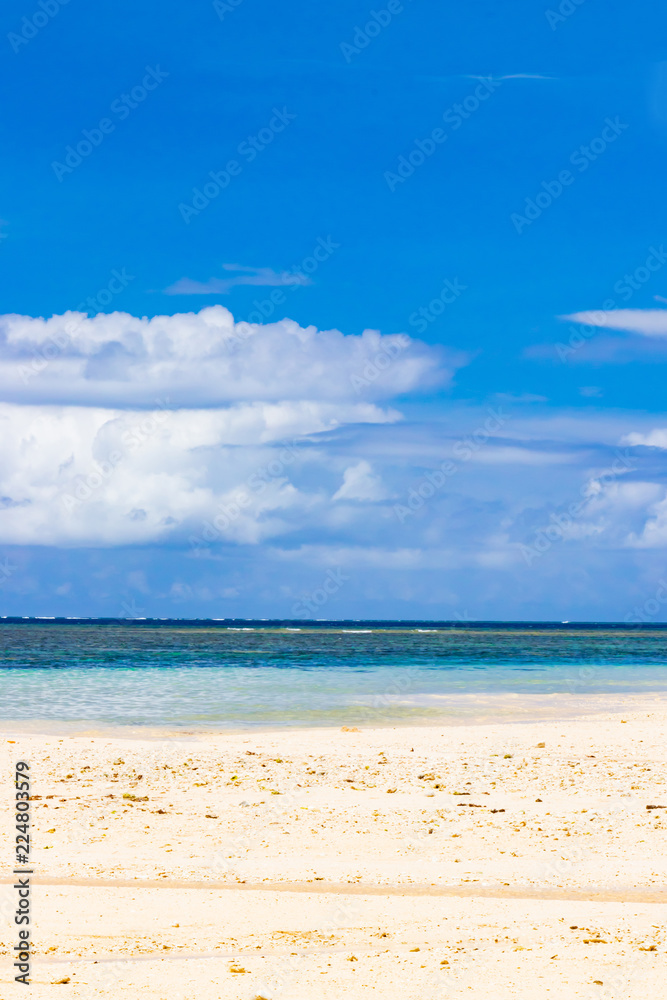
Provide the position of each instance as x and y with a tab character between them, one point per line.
519	708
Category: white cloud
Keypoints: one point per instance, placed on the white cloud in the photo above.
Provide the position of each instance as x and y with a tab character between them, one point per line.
656	438
264	276
270	441
499	455
654	532
209	457
526	76
90	476
361	483
407	559
523	397
205	359
508	76
618	512
647	322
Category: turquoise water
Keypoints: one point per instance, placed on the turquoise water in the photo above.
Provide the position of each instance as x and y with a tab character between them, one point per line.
198	675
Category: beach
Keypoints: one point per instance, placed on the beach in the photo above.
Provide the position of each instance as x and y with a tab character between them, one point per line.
504	858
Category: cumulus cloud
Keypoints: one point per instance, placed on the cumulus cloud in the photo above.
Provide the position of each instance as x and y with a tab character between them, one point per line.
361	483
196	433
654	532
118	430
656	438
80	476
205	359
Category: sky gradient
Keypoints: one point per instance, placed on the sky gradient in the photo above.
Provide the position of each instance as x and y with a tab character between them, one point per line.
358	310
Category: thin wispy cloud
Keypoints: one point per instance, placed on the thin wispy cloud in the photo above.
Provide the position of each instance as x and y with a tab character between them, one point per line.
263	276
526	76
646	322
510	76
520	397
478	76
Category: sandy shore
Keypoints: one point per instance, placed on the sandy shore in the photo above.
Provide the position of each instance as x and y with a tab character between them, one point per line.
505	860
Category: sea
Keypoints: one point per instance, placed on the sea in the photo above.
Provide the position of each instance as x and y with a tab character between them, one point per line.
190	675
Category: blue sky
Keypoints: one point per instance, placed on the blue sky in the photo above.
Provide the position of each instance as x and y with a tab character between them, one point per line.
453	181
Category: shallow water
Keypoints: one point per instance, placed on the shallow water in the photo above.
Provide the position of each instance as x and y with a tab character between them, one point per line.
217	674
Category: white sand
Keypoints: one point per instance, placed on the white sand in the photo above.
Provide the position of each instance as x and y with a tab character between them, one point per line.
319	862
